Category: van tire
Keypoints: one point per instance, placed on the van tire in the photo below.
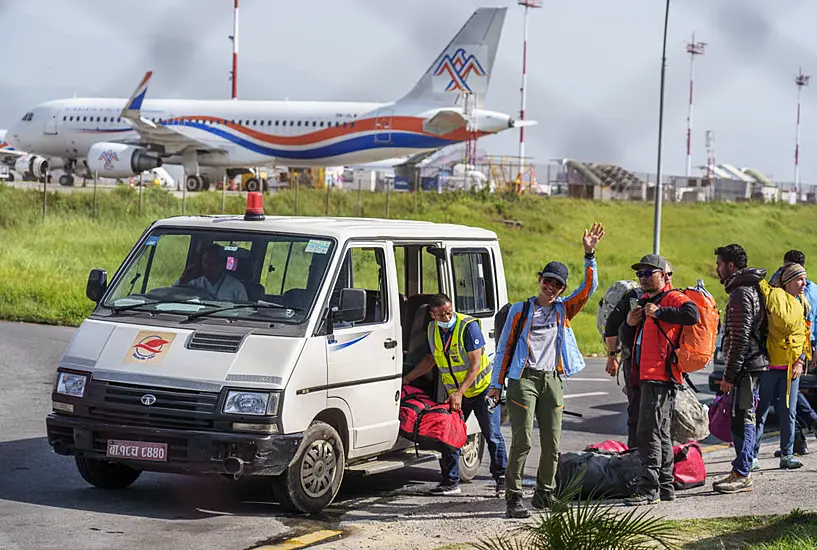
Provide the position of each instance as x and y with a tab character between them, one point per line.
471	457
321	451
104	474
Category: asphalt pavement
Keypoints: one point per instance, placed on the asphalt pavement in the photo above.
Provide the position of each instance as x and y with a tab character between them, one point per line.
44	503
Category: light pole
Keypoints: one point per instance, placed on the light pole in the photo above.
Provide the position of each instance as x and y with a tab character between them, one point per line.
801	80
693	49
528	4
659	188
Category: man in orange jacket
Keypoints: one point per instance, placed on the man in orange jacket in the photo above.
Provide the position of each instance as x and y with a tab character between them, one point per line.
658	320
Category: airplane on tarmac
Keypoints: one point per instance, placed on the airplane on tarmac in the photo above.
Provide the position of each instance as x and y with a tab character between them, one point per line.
119	138
31	167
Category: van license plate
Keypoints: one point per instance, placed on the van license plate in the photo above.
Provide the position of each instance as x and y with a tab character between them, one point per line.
137	450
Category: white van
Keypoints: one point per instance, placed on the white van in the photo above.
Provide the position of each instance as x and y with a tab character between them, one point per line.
283	359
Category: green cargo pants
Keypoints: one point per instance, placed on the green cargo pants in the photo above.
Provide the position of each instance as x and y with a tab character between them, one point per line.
536	395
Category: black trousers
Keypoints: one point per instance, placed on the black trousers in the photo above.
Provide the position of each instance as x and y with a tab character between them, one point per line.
653	437
633	402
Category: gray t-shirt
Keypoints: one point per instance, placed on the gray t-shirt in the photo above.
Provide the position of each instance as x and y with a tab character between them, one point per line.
542	340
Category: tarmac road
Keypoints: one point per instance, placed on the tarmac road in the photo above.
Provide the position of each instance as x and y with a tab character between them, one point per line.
44	503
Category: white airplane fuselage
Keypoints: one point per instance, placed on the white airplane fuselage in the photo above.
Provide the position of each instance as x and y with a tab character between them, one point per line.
247	133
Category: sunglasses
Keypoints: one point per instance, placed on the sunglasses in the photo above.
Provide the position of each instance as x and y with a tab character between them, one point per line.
646	273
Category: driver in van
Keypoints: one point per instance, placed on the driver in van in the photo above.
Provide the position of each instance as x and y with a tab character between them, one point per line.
208	274
456	345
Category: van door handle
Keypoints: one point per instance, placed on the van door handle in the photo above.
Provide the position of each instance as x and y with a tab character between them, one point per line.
389	343
491	334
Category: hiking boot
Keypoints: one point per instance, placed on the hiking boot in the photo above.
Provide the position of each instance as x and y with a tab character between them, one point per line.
445	489
666	495
639	500
738	484
790	463
542	500
728	479
755	465
500	487
515	509
800	447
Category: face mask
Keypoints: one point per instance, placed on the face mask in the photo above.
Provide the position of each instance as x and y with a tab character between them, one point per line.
447	325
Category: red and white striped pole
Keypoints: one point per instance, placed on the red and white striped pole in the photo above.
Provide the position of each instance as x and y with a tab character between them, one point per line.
800	80
234	37
527	4
693	49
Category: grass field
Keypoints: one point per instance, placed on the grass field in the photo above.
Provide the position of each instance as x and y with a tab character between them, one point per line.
794	531
44	264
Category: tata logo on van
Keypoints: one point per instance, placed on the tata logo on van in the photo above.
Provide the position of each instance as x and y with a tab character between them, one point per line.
148	399
149	347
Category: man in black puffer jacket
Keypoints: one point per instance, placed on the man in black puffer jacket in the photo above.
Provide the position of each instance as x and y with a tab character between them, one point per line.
744	352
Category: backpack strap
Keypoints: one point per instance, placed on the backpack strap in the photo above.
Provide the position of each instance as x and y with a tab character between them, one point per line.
517	329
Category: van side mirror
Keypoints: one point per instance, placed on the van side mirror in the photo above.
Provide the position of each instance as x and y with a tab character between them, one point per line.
97	284
352	307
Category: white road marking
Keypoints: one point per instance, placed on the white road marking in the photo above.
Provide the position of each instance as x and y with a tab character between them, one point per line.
588	394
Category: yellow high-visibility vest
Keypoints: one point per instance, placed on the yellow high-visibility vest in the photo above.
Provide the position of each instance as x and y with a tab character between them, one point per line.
452	359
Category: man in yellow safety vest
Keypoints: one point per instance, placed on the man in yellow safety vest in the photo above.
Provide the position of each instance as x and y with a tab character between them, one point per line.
456	345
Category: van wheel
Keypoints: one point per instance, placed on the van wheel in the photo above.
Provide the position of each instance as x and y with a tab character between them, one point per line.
106	475
312	480
471	457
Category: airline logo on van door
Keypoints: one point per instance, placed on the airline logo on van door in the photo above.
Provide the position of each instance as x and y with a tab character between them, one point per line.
149	347
334	345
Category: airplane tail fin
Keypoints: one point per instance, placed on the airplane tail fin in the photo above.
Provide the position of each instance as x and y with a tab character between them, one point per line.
134	105
465	65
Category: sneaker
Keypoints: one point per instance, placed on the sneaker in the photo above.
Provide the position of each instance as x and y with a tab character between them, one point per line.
666	495
445	489
500	487
738	484
790	463
755	465
728	479
639	499
515	509
542	500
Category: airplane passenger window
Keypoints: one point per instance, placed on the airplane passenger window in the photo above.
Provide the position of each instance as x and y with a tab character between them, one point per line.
63	119
105	119
255	122
353	125
276	123
292	123
71	119
299	123
314	123
344	125
85	119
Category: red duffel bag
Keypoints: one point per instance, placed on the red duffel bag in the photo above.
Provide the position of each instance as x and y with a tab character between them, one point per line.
429	425
689	469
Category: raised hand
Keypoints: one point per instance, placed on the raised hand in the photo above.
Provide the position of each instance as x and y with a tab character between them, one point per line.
592	237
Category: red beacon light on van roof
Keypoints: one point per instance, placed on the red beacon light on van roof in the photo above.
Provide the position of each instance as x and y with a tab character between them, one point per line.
255	207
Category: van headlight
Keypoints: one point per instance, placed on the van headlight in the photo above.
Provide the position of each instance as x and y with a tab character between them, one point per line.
71	384
251	402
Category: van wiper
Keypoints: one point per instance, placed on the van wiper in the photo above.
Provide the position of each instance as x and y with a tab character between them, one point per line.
120	309
261	305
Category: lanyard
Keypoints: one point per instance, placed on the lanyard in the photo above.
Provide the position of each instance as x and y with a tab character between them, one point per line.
447	343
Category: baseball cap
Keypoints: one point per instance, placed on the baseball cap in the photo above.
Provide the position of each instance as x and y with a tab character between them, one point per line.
651	260
556	271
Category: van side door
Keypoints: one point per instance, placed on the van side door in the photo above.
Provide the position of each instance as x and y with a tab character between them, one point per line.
475	287
364	358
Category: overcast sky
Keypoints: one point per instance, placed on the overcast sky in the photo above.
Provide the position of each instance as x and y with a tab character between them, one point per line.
594	66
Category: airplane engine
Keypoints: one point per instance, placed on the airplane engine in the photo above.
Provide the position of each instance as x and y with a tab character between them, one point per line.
31	166
118	160
488	121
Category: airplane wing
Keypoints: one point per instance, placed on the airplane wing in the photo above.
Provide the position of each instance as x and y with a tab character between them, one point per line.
444	121
169	138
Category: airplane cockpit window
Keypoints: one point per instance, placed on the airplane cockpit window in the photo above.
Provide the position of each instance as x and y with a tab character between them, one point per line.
28	117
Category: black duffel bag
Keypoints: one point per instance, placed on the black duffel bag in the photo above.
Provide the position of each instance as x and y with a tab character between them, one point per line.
607	474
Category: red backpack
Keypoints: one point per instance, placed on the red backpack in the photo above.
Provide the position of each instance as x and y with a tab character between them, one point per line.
689	469
608	445
430	425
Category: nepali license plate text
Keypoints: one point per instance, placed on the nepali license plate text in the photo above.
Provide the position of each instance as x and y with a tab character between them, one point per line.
137	450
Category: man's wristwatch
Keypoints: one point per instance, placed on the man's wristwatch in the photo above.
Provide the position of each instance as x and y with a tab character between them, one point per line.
612	353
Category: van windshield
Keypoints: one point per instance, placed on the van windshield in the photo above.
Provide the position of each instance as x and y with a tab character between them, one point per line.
257	276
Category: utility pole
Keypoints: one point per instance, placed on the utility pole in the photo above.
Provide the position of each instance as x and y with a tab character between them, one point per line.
800	80
659	187
527	4
693	48
234	38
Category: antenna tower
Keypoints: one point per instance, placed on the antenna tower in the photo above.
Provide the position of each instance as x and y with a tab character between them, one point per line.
527	4
801	80
693	49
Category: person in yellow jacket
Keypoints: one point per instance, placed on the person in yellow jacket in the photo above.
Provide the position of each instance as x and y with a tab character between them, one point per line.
789	346
456	346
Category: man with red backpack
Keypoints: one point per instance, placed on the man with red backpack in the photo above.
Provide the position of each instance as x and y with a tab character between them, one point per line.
658	320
